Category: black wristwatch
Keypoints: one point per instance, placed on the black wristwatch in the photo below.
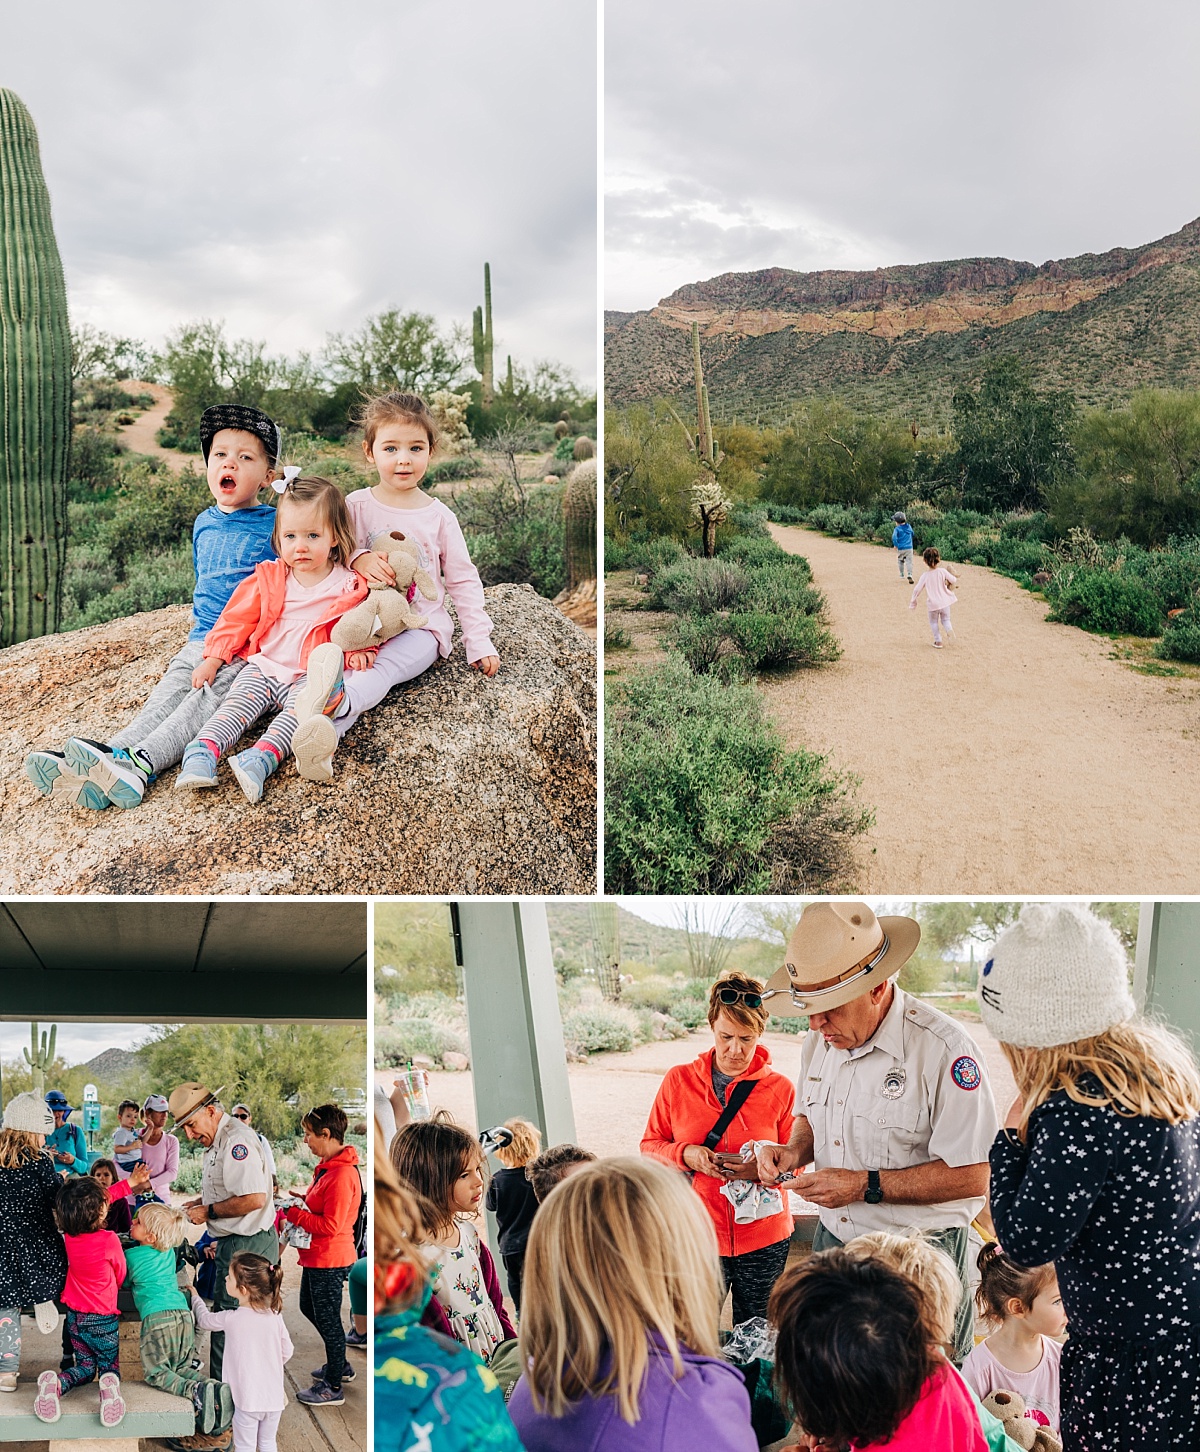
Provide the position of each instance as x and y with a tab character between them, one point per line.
873	1194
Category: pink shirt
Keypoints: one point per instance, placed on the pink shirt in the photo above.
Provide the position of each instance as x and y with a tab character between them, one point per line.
162	1160
95	1268
1038	1388
436	532
936	584
280	649
944	1418
256	1346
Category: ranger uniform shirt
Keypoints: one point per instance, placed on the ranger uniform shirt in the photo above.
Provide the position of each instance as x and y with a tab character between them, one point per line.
234	1164
917	1091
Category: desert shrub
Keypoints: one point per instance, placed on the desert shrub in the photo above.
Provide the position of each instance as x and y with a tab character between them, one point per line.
152	580
788	513
565	449
643	555
616	637
460	466
751	550
652	994
516	537
777	1025
1105	601
599	1029
698	639
155	510
768	642
1181	639
689	1008
92	464
698	782
698	586
405	1038
783	588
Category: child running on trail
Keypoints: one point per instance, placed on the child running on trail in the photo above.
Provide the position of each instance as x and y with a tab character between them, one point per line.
274	620
443	1163
902	538
257	1346
241	448
1021	1355
939	596
399	439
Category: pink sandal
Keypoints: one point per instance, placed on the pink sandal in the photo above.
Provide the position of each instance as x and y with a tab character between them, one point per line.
112	1403
46	1405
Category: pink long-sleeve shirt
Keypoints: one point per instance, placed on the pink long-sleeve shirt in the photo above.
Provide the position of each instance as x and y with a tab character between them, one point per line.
437	534
936	583
162	1160
256	1346
95	1268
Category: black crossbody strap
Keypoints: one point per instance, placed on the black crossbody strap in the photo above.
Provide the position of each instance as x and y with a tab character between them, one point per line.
737	1097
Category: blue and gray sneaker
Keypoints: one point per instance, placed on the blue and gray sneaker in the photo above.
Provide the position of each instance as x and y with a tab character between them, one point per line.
252	767
49	772
321	1394
115	774
199	768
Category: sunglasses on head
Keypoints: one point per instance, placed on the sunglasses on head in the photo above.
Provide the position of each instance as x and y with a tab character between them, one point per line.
730	996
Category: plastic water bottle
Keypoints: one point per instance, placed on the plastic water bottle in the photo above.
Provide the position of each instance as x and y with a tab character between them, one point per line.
414	1085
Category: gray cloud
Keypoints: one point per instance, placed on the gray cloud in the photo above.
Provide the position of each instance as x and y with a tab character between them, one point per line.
293	167
775	133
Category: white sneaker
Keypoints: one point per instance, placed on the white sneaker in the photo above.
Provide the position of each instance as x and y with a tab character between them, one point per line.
313	746
45	1314
8	1381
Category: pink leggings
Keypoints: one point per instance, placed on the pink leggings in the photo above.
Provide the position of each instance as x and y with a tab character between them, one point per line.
937	618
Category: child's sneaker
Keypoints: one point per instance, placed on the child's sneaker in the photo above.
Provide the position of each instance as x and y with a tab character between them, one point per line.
112	1403
121	782
252	767
199	768
49	772
323	691
313	746
8	1381
45	1317
46	1406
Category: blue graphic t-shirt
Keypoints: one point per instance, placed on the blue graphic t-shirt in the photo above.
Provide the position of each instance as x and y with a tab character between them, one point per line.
225	550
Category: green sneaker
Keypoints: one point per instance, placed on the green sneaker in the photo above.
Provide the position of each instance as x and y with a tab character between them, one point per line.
121	782
50	773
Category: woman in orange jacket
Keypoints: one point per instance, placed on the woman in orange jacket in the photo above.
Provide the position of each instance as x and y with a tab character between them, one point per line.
330	1211
730	1088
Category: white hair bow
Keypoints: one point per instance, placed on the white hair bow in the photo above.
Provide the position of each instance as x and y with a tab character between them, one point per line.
290	472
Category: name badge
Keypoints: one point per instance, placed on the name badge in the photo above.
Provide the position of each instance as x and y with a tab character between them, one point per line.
893	1083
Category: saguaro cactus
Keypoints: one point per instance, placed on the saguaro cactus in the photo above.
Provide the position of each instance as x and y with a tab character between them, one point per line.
481	332
606	949
579	518
35	406
40	1059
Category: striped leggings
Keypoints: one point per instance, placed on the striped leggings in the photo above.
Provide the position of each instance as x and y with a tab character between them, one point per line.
252	695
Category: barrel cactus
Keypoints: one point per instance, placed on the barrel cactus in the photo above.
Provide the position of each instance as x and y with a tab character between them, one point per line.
579	517
584	448
35	343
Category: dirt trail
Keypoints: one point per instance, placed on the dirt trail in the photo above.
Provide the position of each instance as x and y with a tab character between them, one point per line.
139	437
1020	759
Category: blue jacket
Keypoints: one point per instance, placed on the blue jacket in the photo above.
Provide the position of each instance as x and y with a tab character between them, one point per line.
902	536
69	1139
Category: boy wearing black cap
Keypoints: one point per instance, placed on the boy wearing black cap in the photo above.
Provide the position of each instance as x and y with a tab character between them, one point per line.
241	449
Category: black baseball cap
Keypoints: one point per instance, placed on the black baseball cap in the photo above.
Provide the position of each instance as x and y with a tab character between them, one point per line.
240	416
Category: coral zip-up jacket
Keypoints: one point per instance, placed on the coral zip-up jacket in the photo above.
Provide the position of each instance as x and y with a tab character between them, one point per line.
257	604
332	1200
686	1108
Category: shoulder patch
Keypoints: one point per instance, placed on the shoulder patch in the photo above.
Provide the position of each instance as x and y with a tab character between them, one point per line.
240	1151
965	1073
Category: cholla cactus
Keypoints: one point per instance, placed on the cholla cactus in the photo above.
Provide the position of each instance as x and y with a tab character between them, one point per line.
579	518
40	1059
450	414
709	508
35	394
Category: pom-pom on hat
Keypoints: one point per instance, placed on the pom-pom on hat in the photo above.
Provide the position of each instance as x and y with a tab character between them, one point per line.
1059	974
28	1113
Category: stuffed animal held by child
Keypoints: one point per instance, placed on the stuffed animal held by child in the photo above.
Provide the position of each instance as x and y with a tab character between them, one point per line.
388	610
1009	1408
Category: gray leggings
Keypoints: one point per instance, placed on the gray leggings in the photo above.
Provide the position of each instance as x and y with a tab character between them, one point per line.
175	711
904	559
253	694
10	1339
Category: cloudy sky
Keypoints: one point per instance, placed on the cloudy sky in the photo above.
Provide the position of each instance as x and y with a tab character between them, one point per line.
76	1043
294	167
864	133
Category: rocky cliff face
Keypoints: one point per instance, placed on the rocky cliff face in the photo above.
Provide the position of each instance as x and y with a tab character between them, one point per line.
453	784
780	333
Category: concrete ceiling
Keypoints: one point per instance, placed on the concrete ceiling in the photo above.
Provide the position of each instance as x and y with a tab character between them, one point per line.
83	960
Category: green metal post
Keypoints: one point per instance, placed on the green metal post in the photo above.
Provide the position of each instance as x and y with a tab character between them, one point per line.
1167	970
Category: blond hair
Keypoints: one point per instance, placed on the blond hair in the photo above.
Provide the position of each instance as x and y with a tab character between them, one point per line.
619	1251
927	1266
1143	1069
526	1141
312	489
18	1147
163	1225
754	1019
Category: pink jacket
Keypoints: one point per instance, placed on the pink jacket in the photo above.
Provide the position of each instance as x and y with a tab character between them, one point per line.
936	584
95	1268
257	604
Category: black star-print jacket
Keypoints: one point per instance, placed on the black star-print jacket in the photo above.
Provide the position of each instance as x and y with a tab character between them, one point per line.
33	1258
1115	1203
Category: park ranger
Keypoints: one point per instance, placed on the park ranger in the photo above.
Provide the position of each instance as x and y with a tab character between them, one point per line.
235	1203
893	1106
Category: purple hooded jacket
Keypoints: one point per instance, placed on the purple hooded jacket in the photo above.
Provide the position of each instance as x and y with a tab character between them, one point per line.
708	1407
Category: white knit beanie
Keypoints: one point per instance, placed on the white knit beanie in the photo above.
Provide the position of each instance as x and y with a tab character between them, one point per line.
28	1112
1059	974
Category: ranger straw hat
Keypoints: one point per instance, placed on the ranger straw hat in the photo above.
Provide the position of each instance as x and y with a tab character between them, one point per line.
189	1099
839	951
